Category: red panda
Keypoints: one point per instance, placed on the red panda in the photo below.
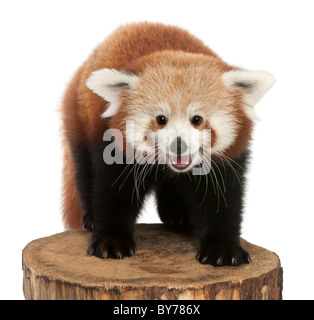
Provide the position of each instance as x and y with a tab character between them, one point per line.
158	79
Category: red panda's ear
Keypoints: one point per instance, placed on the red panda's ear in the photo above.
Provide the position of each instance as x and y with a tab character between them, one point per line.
253	84
109	84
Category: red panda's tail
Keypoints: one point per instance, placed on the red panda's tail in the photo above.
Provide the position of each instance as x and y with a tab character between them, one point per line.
71	203
71	131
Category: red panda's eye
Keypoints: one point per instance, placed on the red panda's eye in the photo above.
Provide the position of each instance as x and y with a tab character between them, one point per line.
161	120
197	120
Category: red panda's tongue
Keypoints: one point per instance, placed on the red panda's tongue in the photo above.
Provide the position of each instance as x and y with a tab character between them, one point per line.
180	161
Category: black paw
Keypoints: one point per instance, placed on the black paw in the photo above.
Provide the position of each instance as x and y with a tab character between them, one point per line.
87	222
224	255
112	247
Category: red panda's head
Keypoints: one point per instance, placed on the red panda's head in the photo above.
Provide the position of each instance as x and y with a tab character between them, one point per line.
182	106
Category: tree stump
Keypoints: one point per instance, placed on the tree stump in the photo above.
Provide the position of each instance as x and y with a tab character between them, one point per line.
164	267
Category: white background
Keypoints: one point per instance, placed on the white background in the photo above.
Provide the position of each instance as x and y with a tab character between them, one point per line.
42	44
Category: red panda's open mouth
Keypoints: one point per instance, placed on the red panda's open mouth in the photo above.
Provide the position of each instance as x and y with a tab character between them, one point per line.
180	162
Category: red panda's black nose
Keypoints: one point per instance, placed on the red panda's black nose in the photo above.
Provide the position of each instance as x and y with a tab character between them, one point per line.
178	146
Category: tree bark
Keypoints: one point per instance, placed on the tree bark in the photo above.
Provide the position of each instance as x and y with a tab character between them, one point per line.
164	267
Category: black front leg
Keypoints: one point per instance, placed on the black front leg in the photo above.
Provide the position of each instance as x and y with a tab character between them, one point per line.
221	214
115	207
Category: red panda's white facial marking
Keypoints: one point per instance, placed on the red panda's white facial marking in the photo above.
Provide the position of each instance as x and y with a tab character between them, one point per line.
180	142
183	97
170	136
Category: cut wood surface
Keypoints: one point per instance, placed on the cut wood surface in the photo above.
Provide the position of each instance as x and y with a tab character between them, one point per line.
164	267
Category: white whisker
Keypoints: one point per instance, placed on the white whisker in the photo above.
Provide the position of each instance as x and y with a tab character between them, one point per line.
228	161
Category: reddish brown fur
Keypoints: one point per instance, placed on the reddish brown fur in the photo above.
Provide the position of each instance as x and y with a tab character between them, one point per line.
130	47
244	134
72	130
71	201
